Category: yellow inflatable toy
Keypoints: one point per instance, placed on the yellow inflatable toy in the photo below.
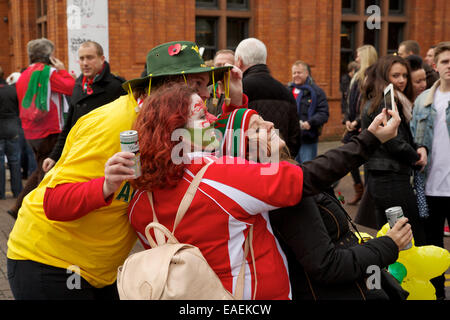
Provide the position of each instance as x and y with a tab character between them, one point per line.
416	266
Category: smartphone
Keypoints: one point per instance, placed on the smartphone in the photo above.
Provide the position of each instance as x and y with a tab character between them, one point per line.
389	98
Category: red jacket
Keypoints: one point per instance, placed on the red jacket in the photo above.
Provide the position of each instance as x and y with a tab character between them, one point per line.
51	122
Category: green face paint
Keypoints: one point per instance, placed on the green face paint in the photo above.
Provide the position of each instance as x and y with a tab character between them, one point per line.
204	137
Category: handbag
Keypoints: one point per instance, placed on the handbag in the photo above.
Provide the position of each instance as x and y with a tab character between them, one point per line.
388	283
419	190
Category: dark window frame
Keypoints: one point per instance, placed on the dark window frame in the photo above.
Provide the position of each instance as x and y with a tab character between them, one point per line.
41	19
360	17
222	13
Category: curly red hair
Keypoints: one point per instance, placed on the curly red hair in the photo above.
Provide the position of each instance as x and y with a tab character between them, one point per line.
164	111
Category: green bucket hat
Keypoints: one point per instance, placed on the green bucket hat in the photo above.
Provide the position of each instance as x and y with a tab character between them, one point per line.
175	58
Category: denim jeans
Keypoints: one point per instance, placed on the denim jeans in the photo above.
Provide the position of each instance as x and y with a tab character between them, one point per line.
10	148
308	151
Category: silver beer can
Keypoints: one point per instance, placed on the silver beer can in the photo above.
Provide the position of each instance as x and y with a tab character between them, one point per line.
392	215
129	142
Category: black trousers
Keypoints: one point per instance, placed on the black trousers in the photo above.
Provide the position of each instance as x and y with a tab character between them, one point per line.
438	209
31	280
389	189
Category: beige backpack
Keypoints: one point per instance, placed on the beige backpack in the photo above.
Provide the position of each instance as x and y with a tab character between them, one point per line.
175	271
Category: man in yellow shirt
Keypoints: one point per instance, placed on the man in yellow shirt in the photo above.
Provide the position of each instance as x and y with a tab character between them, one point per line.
75	252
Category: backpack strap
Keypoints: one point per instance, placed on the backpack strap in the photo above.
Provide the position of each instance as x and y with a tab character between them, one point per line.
248	245
189	195
184	205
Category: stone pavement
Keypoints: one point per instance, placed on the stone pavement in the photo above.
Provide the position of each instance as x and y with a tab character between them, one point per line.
7	222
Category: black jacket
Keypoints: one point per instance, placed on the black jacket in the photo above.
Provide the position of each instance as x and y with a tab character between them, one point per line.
106	88
324	260
398	154
318	117
274	103
9	111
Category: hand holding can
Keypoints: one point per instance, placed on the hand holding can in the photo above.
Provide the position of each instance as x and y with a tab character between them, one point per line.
129	142
399	232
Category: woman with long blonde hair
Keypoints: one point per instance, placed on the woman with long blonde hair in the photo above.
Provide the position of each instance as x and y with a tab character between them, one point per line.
365	57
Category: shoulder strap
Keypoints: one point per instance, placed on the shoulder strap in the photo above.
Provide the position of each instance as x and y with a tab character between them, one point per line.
248	245
189	195
184	205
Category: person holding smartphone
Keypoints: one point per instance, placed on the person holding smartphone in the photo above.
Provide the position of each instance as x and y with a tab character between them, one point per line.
390	168
41	90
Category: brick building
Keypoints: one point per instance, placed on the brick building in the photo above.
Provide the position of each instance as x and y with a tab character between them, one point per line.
324	33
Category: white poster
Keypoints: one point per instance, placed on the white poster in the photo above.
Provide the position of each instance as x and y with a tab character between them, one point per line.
86	20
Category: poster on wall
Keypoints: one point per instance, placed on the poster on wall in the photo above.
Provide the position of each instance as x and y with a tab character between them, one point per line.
86	20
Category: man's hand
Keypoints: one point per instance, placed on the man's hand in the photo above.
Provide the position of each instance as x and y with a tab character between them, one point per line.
385	130
348	125
48	164
57	63
235	85
305	125
116	171
422	152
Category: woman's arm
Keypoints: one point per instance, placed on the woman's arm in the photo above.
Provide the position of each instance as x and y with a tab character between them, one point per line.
324	170
301	227
320	173
71	201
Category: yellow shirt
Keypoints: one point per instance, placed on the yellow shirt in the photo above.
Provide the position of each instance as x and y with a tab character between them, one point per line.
99	242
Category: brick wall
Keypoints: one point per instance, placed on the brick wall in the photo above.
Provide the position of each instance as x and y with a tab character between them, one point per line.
308	30
4	45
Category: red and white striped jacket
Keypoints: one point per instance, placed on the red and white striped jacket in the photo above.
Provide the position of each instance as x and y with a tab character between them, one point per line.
230	198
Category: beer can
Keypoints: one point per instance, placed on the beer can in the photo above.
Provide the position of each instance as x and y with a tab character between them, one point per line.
392	215
129	142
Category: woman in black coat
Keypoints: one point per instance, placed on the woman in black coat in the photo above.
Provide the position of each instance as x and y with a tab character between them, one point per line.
390	168
324	258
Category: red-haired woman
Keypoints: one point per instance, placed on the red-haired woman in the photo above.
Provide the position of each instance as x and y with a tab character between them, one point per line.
233	194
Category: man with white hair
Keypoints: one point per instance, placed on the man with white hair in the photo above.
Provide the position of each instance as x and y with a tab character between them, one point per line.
269	97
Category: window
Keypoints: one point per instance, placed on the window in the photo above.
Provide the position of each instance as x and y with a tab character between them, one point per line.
372	36
237	4
396	7
348	6
347	44
221	24
41	18
237	30
206	3
395	36
385	38
206	36
368	3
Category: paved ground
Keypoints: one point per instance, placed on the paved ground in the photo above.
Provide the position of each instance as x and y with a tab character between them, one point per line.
6	224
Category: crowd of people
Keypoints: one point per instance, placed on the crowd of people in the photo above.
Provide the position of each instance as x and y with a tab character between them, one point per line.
84	206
